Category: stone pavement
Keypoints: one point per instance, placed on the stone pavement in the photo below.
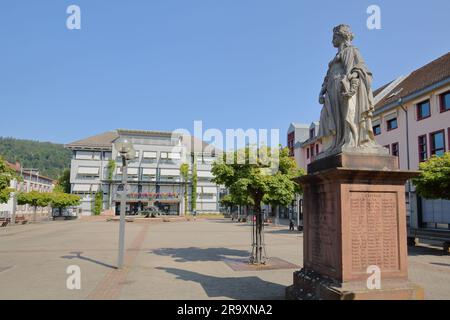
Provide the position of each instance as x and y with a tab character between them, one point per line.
176	260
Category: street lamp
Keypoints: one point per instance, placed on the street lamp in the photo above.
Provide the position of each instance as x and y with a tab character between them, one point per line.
127	152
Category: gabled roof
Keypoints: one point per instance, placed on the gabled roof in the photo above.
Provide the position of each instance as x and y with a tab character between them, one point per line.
101	141
420	79
105	140
148	133
196	145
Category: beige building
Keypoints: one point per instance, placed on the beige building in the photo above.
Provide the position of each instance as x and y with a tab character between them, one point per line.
31	180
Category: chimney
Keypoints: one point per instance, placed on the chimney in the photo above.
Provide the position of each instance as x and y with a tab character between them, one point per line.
17	166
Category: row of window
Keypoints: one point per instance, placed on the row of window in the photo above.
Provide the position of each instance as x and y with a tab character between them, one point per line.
391	124
436	142
394	149
93	155
423	111
312	151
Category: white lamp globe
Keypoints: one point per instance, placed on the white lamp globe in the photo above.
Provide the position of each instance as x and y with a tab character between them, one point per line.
123	146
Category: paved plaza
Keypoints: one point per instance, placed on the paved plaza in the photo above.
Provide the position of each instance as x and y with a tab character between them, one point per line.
172	260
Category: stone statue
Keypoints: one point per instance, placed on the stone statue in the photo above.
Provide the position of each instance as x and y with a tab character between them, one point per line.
348	102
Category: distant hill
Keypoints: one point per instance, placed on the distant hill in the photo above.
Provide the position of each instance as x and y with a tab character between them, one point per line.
50	158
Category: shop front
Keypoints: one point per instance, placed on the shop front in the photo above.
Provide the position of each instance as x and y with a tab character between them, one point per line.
137	203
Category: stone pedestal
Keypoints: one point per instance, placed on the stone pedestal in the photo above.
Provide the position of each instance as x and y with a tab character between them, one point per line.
354	217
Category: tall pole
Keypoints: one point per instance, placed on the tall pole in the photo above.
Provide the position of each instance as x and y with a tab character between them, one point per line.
123	203
408	160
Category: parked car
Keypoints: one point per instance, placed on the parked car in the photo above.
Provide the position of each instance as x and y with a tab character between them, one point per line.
64	214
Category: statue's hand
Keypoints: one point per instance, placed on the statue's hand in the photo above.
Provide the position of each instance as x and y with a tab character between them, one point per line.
349	94
322	99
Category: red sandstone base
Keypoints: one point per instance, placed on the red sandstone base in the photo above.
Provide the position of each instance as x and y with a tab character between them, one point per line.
311	286
354	218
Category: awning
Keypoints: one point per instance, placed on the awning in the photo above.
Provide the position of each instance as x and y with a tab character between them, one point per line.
81	188
88	171
390	116
130	171
149	172
175	156
204	174
210	190
133	171
150	154
170	172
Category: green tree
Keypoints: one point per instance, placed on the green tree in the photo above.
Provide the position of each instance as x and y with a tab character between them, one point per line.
281	191
184	170
98	203
50	158
111	169
6	175
194	183
231	200
248	183
247	176
62	200
35	199
434	179
63	183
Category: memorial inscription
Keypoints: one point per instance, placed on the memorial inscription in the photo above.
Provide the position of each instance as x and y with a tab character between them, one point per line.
374	231
323	233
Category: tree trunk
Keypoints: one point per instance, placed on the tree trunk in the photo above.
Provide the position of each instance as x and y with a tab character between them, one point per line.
258	250
34	213
110	196
277	215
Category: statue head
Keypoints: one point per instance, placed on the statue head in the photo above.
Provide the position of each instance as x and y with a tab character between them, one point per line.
342	34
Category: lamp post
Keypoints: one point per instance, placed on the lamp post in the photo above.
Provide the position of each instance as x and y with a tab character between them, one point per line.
127	152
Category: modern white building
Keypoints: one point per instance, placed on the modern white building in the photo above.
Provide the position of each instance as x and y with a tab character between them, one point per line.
154	176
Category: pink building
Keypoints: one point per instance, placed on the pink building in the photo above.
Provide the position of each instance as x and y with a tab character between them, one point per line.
412	120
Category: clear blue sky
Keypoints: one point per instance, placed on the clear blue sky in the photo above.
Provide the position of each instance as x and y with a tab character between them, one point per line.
161	64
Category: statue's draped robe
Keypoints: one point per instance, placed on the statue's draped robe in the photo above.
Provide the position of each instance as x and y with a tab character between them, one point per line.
347	119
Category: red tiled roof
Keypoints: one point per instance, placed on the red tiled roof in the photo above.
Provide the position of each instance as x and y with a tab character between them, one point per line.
103	140
423	77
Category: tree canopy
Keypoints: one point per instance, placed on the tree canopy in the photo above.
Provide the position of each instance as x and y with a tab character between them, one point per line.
6	175
63	183
50	158
44	199
184	171
34	199
63	200
98	202
248	181
434	179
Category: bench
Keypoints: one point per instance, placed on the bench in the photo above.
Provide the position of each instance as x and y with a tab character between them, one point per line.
21	220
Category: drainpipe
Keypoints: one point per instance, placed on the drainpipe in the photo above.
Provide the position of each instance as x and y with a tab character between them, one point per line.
400	101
